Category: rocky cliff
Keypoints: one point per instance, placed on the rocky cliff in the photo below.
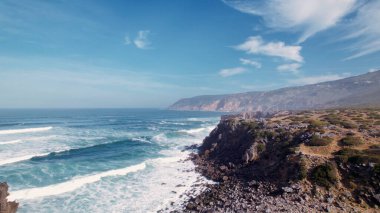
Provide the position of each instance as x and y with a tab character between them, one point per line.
362	90
303	162
5	206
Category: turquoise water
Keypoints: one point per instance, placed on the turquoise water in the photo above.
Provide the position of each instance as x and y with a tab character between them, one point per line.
98	160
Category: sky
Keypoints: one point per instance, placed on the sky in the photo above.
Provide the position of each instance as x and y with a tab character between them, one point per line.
150	53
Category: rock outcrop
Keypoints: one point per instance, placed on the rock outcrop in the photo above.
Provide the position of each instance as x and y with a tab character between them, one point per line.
292	162
357	91
5	206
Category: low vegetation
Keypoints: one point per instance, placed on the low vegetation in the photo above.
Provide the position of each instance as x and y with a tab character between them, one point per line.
324	175
350	141
319	141
354	156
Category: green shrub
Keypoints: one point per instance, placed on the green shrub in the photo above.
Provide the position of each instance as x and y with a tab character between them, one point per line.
316	124
319	141
374	115
354	156
266	134
348	125
260	147
350	141
250	124
348	152
302	169
332	119
324	175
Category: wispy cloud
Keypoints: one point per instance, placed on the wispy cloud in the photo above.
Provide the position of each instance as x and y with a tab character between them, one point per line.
318	79
256	45
365	29
232	71
141	40
308	17
250	62
293	68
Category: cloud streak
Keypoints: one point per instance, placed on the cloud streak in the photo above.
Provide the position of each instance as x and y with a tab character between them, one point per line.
256	45
308	17
365	30
318	79
292	68
232	71
250	62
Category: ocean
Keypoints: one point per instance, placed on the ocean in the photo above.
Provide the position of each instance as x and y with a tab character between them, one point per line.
99	160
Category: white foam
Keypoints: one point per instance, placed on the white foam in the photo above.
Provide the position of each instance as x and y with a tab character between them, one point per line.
10	142
28	130
22	158
141	139
202	119
56	189
196	130
160	138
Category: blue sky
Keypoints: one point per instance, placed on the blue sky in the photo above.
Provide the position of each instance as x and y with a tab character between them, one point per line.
79	53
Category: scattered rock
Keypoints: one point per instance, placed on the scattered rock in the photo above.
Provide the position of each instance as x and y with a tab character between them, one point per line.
287	189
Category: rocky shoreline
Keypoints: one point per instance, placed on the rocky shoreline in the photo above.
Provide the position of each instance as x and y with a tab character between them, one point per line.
5	206
261	165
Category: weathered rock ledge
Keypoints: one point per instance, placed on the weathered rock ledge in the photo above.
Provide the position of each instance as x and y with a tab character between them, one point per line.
5	206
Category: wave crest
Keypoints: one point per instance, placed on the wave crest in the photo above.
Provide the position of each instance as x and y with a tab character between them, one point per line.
28	130
71	185
22	158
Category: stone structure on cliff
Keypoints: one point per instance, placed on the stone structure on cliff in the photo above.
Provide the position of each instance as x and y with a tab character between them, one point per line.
5	206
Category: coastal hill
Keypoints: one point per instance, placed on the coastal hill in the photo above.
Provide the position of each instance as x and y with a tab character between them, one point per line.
310	161
357	91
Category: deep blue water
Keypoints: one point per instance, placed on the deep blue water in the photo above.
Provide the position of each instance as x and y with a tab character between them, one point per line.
97	160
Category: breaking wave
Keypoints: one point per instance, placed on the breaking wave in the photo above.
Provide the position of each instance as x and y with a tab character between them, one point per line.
28	130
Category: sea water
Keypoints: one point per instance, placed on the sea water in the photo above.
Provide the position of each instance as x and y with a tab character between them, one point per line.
99	160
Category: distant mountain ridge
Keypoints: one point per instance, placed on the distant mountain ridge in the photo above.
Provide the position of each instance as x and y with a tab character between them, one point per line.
356	91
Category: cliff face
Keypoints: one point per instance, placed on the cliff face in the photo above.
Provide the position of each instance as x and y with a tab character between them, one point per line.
5	206
252	150
362	90
325	160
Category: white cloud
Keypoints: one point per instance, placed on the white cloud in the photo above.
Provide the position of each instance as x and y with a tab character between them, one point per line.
307	16
256	45
365	29
142	40
293	68
250	62
232	71
373	69
318	79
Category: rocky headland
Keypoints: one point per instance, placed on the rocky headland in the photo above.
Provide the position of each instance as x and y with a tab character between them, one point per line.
356	91
311	161
5	206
